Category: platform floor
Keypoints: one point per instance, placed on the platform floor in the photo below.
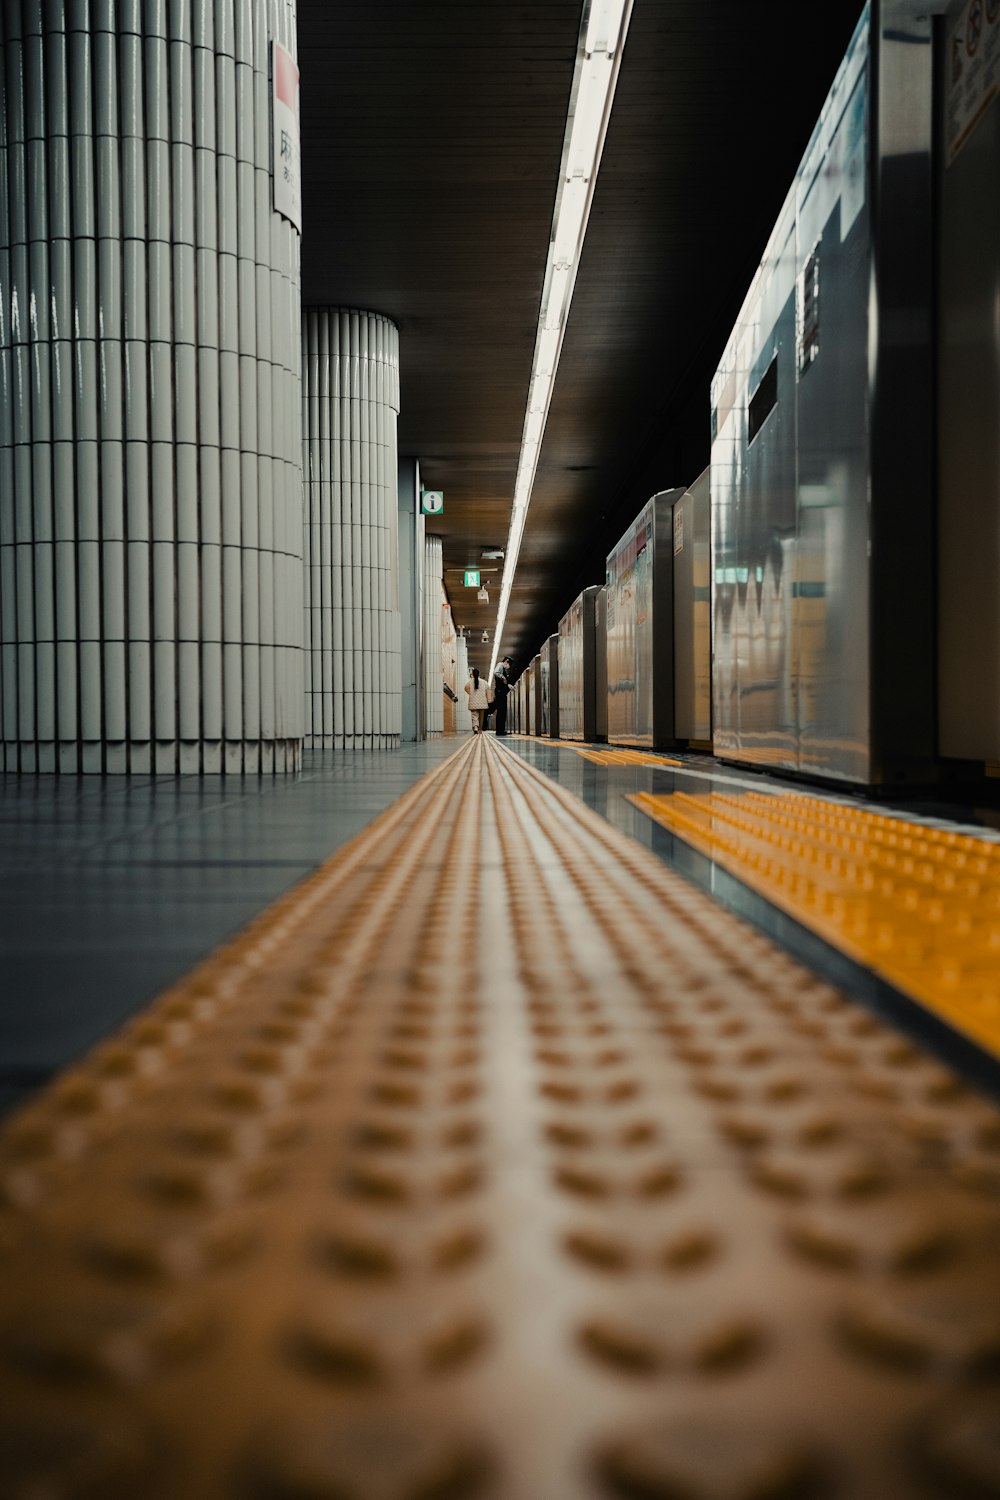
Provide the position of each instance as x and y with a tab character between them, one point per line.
499	1160
111	889
896	901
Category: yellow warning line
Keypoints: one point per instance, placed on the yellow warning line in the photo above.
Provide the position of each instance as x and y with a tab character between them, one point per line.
474	1168
625	757
609	757
919	905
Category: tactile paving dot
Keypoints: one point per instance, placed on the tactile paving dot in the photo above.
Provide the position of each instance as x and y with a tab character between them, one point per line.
957	1447
357	1256
461	1181
230	1240
582	1183
379	1135
694	1460
798	1175
129	1256
691	1249
638	1133
622	1346
955	1330
889	1239
83	1455
980	1174
454	1339
93	1344
645	1338
362	1458
598	1249
371	1186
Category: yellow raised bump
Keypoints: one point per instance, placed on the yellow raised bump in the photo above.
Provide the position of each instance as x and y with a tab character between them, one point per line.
918	905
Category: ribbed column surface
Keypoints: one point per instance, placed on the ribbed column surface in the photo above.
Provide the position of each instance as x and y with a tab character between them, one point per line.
350	394
150	519
461	678
433	664
448	666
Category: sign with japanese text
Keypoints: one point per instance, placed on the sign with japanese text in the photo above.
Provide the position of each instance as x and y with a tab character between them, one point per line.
287	164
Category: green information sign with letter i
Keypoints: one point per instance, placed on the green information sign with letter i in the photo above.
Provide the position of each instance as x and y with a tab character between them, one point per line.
472	578
431	502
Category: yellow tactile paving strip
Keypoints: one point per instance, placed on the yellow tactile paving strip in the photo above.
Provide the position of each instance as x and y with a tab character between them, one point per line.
610	757
625	758
496	1163
919	905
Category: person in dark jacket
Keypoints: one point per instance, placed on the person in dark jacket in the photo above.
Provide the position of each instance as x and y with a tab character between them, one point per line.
501	687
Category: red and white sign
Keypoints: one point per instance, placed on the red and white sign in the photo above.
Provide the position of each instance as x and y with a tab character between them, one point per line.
287	163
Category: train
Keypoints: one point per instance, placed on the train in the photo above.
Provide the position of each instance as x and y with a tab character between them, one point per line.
824	600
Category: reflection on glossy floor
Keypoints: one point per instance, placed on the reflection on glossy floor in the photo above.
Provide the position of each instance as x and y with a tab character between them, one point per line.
111	889
497	1161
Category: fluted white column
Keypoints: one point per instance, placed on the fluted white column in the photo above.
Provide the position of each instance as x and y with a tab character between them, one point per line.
449	706
463	717
350	402
150	446
433	663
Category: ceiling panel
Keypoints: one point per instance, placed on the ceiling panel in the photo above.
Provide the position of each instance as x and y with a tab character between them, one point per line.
432	134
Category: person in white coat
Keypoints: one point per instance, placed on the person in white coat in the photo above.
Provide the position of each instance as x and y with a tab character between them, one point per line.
478	700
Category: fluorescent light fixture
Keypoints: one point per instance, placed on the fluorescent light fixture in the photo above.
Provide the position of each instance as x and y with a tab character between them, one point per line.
560	282
541	390
572	209
603	28
533	427
548	350
588	118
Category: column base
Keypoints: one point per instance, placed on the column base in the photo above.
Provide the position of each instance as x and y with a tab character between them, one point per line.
157	757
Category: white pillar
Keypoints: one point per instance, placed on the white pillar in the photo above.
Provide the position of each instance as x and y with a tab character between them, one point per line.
448	636
462	714
411	598
433	664
350	402
150	524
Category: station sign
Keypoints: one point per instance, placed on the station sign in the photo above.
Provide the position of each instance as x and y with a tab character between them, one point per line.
431	502
472	578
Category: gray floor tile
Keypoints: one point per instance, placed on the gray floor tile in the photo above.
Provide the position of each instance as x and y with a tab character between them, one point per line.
110	889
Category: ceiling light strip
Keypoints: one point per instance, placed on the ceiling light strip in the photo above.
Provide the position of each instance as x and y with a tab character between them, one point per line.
603	29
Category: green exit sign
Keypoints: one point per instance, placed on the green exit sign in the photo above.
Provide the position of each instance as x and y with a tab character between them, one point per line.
472	578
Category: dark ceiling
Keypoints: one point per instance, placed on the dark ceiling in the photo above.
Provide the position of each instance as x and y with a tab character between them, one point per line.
432	132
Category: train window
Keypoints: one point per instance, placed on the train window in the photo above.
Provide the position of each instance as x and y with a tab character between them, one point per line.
763	400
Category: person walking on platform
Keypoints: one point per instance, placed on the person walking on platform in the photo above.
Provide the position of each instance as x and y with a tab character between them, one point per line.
476	689
501	687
